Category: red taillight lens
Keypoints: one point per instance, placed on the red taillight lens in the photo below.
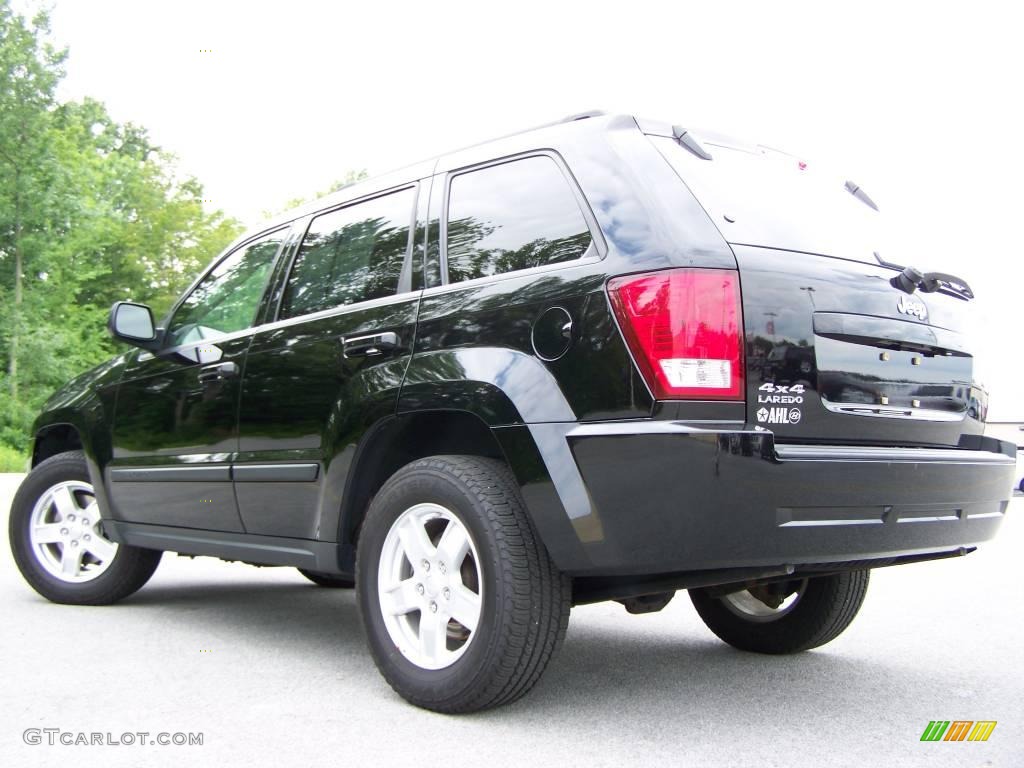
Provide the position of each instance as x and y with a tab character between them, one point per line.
685	329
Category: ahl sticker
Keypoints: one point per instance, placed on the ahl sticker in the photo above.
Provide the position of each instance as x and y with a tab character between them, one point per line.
779	415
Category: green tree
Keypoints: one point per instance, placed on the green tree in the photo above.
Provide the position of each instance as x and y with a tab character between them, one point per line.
29	71
91	211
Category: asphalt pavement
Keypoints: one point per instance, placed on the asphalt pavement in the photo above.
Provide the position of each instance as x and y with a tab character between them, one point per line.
273	670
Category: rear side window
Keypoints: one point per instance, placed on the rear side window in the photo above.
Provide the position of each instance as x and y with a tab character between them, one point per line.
350	255
512	216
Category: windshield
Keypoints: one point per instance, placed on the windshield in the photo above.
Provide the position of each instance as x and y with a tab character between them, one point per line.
759	196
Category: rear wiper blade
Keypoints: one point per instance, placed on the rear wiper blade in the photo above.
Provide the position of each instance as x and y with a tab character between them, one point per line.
940	282
911	279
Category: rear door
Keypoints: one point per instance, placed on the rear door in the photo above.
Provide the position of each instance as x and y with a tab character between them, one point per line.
330	364
175	418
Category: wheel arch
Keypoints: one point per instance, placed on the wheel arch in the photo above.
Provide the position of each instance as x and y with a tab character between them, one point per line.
53	439
60	430
398	440
482	401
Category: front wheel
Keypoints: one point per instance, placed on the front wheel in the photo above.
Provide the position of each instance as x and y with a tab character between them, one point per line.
58	541
462	605
784	617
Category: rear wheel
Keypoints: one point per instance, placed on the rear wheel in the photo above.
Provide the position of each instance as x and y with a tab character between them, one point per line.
332	580
58	540
786	617
462	605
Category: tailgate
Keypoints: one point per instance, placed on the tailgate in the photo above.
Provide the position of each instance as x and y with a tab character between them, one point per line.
836	353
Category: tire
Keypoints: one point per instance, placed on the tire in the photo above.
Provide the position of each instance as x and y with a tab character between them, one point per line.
501	579
56	501
822	608
331	580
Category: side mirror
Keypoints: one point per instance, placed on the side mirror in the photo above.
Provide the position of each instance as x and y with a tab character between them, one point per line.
132	323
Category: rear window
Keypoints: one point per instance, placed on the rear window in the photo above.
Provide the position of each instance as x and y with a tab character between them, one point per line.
512	216
759	196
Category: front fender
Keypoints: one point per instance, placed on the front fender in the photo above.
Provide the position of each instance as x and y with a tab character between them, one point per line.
85	404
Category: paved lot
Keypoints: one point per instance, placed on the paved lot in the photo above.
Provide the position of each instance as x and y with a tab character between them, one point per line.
273	670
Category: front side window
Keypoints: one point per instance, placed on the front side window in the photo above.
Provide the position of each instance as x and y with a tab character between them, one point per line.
349	255
226	299
512	216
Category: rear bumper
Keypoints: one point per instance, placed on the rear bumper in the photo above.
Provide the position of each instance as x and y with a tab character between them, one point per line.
665	497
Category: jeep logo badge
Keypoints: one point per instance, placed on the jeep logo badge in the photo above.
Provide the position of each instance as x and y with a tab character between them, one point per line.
909	306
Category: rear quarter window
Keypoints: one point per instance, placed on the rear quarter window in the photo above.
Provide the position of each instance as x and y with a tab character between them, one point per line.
512	216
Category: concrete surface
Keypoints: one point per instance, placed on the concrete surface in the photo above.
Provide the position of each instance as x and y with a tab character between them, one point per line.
274	671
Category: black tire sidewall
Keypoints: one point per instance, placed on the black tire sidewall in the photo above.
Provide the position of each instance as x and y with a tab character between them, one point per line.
427	485
813	621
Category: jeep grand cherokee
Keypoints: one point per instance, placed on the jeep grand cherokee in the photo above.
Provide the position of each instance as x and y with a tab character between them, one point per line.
606	359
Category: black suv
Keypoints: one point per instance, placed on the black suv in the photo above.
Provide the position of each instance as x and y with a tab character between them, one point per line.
605	359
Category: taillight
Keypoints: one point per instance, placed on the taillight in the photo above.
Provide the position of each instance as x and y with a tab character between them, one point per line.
685	329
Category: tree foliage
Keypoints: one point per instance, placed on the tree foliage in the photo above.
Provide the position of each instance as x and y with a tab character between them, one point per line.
91	211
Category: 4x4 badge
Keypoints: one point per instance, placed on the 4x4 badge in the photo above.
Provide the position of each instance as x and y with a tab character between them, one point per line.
909	306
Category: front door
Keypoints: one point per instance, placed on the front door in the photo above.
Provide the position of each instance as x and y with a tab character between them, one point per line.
175	422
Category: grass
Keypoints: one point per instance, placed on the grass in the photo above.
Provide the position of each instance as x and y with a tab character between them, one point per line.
12	460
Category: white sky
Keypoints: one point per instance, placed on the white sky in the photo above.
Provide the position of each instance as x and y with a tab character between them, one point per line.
919	104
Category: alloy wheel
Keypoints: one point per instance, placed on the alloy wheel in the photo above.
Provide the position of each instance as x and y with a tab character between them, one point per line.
429	586
66	533
748	604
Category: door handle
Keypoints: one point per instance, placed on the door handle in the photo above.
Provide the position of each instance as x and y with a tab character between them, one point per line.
211	373
372	345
